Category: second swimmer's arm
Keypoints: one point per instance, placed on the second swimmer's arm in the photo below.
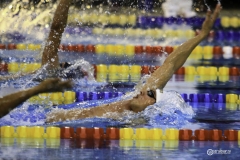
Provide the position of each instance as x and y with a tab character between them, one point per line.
54	39
9	102
177	58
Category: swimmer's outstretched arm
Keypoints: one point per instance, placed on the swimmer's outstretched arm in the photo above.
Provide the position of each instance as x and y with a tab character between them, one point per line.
11	101
177	58
59	22
99	111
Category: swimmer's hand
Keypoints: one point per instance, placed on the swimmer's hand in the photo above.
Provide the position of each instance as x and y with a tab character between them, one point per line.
210	20
55	85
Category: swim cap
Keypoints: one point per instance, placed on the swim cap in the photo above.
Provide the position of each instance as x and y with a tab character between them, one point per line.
159	95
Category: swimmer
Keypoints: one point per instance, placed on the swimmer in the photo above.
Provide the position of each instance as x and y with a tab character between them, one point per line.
151	90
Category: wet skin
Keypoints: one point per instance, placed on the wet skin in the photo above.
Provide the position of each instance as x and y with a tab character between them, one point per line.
141	101
136	104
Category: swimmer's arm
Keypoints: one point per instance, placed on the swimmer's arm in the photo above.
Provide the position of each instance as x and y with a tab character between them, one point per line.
9	102
75	114
54	39
177	58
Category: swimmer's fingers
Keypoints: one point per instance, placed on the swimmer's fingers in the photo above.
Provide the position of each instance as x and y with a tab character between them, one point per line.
216	12
210	20
208	16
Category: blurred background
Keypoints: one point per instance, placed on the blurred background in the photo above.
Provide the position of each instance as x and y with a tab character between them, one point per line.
198	5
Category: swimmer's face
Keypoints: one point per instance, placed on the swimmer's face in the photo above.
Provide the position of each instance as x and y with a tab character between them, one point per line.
142	100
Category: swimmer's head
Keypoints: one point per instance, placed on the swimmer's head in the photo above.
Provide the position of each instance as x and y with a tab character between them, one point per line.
142	100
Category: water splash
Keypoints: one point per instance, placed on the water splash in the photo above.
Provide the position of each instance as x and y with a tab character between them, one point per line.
171	111
31	114
22	115
14	18
85	66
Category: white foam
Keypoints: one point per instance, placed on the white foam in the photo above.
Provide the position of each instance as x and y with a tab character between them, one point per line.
171	110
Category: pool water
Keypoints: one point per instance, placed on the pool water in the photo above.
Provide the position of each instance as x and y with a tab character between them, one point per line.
114	149
207	115
178	120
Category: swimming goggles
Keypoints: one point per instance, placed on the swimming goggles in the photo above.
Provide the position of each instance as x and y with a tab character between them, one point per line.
159	94
150	93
